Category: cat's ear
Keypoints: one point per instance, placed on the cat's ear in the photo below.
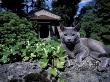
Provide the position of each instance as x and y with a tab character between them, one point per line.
62	28
77	27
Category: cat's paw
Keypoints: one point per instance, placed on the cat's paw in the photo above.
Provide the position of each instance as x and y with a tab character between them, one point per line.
103	65
78	60
101	69
102	55
71	56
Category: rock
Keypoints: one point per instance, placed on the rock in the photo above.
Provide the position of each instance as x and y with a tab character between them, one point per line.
86	71
17	70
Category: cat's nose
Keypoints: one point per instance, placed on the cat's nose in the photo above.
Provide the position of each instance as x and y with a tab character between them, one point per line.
69	39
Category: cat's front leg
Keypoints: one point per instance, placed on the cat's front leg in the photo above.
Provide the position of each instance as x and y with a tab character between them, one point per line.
70	55
80	56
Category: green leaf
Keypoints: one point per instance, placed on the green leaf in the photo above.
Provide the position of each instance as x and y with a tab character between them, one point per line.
60	64
5	59
25	58
32	55
53	71
43	62
61	79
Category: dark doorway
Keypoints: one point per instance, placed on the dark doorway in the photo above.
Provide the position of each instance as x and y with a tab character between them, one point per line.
44	31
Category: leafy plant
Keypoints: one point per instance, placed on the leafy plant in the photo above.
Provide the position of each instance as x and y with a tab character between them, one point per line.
13	28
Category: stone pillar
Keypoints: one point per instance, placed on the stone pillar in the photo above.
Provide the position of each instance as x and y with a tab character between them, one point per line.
59	30
51	31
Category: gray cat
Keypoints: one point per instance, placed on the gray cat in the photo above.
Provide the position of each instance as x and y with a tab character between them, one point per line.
79	48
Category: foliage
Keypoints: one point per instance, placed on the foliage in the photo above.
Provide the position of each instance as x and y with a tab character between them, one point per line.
103	11
66	9
13	28
46	53
104	15
14	5
13	31
92	25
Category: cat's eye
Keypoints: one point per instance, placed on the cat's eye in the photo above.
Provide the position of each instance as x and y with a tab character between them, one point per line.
73	34
65	34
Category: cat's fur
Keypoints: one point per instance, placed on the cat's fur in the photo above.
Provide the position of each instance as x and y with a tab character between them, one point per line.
79	48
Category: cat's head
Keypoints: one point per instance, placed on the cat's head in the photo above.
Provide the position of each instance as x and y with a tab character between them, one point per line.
70	35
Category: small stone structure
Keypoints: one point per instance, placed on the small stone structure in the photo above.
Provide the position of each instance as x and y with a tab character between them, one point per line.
48	23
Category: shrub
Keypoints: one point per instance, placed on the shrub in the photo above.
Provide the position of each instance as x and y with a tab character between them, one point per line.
13	28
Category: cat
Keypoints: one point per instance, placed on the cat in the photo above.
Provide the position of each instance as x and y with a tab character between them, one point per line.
80	48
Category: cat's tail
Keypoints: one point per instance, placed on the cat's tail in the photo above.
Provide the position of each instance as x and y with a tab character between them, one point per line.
97	56
107	54
94	55
107	49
